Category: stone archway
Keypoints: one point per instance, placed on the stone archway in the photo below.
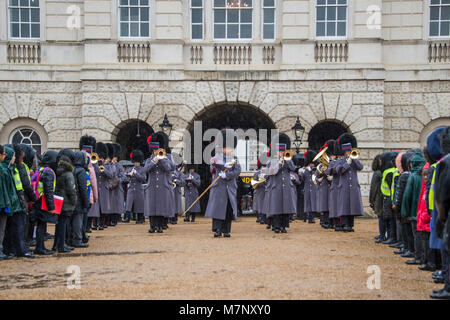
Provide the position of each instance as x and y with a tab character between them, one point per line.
324	131
430	127
132	134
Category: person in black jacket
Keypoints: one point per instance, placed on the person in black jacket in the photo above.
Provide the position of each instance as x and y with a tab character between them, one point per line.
82	201
299	162
65	187
375	195
46	188
30	163
15	236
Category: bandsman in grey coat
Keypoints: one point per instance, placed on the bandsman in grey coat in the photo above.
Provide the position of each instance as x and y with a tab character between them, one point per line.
222	202
178	183
135	193
280	200
193	182
258	195
349	201
104	174
333	177
117	192
323	183
159	196
311	190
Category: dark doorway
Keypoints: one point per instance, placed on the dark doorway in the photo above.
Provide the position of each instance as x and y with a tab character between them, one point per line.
324	131
234	117
134	136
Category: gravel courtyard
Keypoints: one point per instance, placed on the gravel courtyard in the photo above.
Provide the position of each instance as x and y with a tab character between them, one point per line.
186	262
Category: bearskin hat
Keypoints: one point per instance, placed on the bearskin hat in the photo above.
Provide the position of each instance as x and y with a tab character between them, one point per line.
444	136
282	138
347	138
160	138
434	145
137	156
117	150
309	156
88	141
299	160
331	145
102	150
110	148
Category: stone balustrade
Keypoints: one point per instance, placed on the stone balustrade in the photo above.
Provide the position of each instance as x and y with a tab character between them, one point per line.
26	53
439	51
133	52
331	51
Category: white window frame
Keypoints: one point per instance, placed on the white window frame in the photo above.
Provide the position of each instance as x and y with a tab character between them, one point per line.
274	21
439	21
26	128
232	40
347	5
191	23
119	21
9	29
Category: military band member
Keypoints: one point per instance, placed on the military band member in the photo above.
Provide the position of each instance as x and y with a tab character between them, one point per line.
135	194
222	202
116	187
104	174
280	200
158	194
323	184
177	182
333	177
192	180
311	189
258	194
349	201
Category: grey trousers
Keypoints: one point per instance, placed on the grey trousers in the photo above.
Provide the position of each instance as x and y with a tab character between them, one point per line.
77	228
3	219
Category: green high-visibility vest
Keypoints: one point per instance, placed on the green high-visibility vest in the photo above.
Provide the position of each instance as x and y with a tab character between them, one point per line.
385	188
395	175
431	193
17	181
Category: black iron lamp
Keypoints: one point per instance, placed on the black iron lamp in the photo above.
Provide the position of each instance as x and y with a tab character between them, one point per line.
166	126
298	130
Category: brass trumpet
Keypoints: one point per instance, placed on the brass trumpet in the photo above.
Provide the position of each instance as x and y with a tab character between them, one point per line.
160	152
94	158
354	154
101	168
287	155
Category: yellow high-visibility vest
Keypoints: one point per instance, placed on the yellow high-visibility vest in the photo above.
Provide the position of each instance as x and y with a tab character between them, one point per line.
385	188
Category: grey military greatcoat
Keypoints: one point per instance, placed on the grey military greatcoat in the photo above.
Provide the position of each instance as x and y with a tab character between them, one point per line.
103	187
191	191
333	195
158	194
135	194
258	194
178	178
349	199
310	191
118	194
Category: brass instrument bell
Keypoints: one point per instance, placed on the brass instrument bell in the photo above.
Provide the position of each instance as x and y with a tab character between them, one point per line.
94	158
354	154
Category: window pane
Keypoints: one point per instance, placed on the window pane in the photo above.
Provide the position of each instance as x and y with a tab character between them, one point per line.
331	29
321	13
14	13
246	16
35	30
268	31
342	13
24	15
445	13
445	28
134	14
331	2
219	3
232	31
197	32
269	15
331	13
197	15
320	2
26	132
145	29
246	3
144	2
219	31
35	138
269	3
341	29
435	1
124	30
123	2
144	14
34	3
232	15
434	29
134	29
15	30
124	15
13	2
25	30
24	3
196	3
246	31
342	1
320	32
35	15
17	138
134	2
219	15
434	13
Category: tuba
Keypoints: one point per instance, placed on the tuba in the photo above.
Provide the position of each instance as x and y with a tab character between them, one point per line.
354	154
323	159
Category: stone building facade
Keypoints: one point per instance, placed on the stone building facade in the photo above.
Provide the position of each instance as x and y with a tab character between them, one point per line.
386	80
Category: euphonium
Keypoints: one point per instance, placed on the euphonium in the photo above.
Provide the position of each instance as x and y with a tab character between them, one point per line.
323	158
354	154
255	183
94	158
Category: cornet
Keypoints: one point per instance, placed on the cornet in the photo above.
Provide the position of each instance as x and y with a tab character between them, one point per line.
94	158
354	154
161	152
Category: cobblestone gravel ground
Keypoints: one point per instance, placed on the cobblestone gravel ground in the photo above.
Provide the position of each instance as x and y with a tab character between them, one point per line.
186	262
